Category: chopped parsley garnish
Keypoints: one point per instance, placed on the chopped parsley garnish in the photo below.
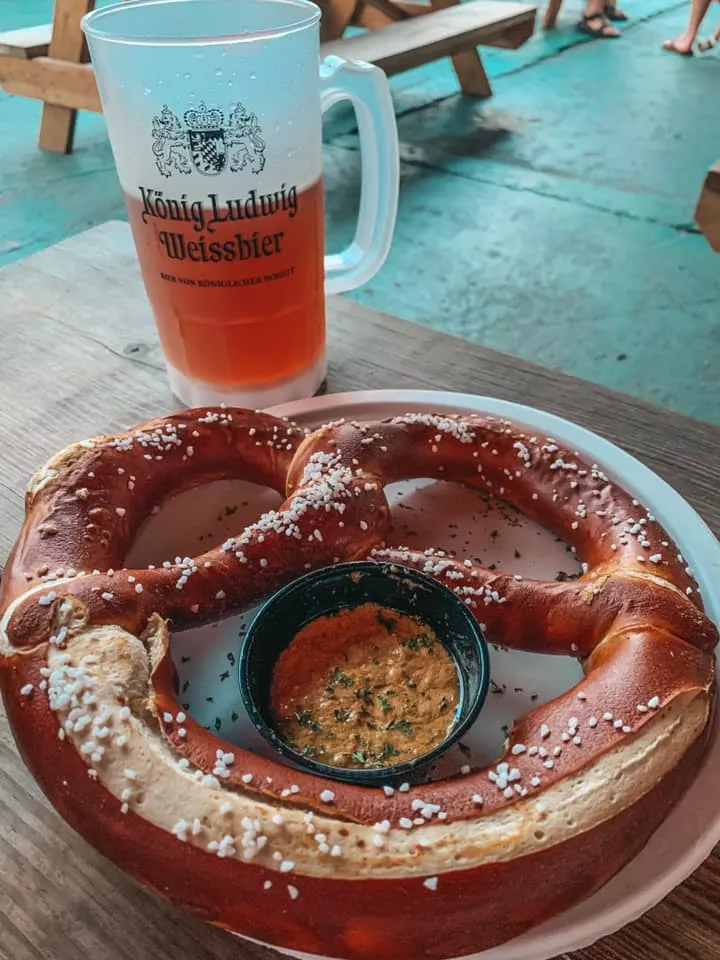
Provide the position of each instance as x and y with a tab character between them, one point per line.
342	678
385	703
359	756
414	642
363	693
343	714
305	718
403	726
388	751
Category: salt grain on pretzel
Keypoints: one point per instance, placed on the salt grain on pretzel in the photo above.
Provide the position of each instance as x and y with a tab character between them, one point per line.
446	869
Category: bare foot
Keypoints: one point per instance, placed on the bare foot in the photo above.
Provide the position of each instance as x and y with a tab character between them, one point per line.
682	45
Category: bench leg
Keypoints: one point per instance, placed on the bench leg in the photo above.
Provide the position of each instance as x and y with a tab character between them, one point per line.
471	74
336	16
551	14
468	65
57	127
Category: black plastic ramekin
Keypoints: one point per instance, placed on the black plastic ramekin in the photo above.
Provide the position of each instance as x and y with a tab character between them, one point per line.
335	588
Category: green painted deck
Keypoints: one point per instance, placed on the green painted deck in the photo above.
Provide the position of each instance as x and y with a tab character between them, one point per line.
554	221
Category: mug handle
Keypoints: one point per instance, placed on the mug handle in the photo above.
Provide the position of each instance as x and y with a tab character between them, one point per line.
367	89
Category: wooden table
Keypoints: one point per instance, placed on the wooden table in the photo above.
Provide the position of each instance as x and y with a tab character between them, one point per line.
78	356
50	62
707	213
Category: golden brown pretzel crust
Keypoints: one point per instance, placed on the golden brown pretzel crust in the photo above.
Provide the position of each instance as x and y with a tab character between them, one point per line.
437	871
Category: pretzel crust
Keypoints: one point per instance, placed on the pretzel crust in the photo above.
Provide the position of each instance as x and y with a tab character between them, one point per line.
437	871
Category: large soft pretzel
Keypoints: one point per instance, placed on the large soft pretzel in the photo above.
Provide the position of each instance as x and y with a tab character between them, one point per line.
314	865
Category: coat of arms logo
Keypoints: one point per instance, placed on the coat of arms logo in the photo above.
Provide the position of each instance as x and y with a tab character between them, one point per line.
204	140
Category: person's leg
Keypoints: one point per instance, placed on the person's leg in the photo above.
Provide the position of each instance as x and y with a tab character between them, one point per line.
683	43
595	23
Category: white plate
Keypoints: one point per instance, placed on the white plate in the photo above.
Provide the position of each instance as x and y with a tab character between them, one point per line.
427	513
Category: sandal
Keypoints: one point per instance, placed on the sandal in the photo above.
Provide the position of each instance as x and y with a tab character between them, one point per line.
613	12
601	30
710	42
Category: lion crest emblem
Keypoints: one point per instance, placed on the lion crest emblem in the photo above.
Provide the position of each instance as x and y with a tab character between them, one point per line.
205	142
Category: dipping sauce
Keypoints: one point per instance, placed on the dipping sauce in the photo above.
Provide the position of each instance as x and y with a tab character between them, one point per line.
366	687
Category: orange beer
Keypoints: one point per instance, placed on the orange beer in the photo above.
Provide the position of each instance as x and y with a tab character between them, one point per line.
236	284
214	110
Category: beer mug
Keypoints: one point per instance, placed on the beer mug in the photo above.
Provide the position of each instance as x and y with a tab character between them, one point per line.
214	111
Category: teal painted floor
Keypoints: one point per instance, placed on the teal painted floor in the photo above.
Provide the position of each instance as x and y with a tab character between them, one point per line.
554	221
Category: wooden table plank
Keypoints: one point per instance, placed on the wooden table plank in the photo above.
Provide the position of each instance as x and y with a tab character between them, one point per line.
707	214
78	356
410	43
27	42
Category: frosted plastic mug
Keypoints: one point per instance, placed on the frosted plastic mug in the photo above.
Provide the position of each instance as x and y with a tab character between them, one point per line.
214	110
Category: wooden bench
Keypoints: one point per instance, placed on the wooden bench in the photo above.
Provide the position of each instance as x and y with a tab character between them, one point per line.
50	63
707	213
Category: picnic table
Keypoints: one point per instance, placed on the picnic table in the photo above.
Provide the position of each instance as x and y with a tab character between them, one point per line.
79	357
707	213
49	62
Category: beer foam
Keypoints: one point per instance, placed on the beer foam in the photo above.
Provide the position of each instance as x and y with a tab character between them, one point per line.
230	121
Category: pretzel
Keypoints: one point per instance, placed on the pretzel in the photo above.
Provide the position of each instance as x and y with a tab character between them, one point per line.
273	853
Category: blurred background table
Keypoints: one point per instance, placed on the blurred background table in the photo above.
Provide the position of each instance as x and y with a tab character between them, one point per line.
49	62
